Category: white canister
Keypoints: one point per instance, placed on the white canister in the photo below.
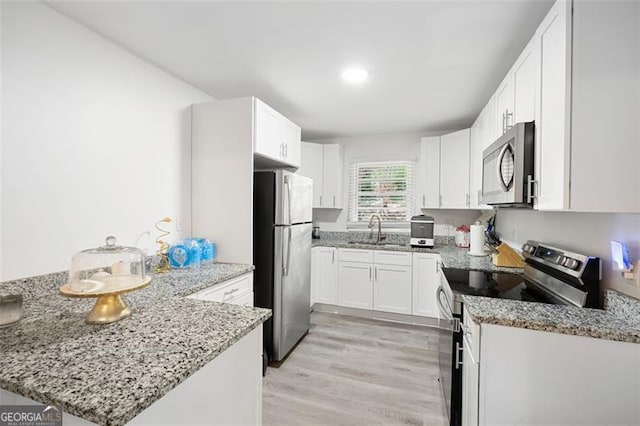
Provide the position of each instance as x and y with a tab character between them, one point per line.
462	239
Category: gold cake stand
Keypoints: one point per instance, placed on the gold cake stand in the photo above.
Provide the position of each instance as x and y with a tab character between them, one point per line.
110	306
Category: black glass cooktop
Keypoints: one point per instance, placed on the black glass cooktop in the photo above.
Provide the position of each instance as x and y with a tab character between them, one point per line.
498	285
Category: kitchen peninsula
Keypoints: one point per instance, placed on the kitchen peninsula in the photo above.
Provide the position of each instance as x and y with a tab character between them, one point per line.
174	360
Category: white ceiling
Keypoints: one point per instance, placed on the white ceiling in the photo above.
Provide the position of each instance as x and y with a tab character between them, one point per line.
433	64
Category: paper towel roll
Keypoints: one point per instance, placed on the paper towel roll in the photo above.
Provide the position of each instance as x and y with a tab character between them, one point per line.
476	242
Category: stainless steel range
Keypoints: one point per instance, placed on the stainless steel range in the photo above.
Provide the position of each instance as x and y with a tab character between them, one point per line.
551	275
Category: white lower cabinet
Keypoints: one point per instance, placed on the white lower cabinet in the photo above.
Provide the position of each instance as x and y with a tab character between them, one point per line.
324	275
236	291
425	282
392	288
355	285
527	377
380	280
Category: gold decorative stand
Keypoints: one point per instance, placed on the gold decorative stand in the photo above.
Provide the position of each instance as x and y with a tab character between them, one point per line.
110	306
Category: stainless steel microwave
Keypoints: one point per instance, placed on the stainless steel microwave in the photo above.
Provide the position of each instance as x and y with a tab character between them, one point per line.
508	168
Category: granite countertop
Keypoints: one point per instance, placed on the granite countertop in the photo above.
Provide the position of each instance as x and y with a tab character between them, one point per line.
452	256
619	321
108	374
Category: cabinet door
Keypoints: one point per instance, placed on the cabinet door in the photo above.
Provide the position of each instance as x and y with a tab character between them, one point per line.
267	136
489	129
355	285
504	104
454	170
332	176
475	164
470	386
552	147
392	288
291	135
430	156
524	84
425	280
311	167
324	271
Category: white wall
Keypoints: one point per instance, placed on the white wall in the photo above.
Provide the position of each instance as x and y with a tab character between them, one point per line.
388	147
95	141
588	233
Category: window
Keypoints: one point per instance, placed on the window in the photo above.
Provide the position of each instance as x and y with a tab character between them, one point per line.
382	188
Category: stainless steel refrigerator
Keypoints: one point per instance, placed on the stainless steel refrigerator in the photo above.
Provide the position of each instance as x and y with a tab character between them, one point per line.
282	256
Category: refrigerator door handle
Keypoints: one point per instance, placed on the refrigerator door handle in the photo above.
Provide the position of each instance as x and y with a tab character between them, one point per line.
288	209
285	254
288	250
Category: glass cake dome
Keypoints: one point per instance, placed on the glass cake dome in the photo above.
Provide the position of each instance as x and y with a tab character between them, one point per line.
106	269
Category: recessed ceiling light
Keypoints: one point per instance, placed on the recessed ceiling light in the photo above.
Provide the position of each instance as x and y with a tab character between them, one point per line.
355	75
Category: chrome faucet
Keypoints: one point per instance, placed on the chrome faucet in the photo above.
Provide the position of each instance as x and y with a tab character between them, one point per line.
381	236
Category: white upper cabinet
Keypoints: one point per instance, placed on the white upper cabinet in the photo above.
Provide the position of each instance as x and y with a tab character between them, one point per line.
291	140
275	137
476	145
267	131
582	89
333	176
311	166
524	74
445	172
430	173
454	170
552	127
324	164
605	113
504	101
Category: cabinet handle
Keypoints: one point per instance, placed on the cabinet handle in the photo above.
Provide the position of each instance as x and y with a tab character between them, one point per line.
321	201
334	201
508	115
333	257
227	293
286	150
369	273
468	200
458	349
439	200
530	193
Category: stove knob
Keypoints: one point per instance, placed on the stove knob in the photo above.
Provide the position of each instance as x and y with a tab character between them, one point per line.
572	264
562	260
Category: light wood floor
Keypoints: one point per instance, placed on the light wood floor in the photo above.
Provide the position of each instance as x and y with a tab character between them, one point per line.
354	371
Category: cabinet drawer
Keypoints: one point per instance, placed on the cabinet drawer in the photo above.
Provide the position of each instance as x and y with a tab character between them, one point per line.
355	255
471	332
227	290
392	258
243	300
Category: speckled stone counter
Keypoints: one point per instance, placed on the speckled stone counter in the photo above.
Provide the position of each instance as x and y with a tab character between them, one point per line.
619	321
452	256
108	374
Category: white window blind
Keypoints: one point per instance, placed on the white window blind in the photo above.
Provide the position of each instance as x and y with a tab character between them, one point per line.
382	188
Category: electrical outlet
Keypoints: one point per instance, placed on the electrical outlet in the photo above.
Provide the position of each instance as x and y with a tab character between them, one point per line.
179	223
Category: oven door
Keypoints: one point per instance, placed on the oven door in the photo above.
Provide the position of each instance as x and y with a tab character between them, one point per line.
449	342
